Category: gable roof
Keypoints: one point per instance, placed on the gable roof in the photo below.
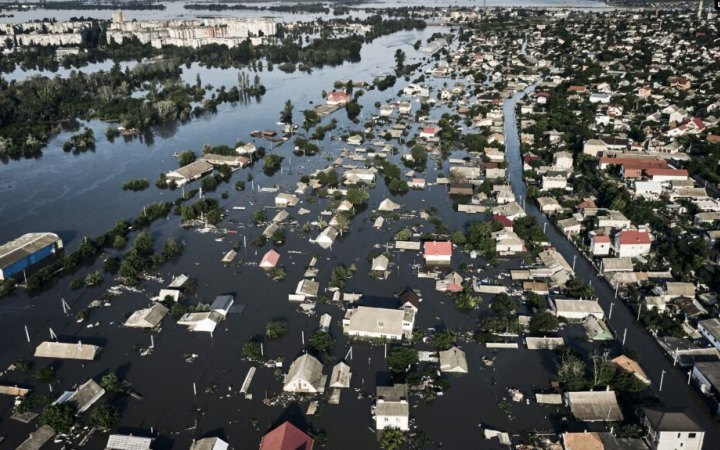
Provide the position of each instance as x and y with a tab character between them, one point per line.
442	248
632	237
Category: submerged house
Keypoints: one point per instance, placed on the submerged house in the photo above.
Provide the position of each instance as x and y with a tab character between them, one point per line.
340	377
61	350
392	409
305	376
201	321
380	323
453	360
147	317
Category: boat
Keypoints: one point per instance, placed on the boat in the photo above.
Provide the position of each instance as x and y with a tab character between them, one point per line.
269	133
256	133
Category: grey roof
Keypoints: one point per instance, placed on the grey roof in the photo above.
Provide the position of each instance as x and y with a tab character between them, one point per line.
340	377
24	246
711	371
222	302
617	265
615	443
37	439
84	397
209	443
393	393
125	442
665	419
148	317
375	320
453	360
712	326
305	370
63	350
193	170
594	406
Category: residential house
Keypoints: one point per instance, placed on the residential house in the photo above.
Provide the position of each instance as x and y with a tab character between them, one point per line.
341	375
669	429
453	360
549	205
438	252
594	406
147	318
269	260
379	323
553	182
201	321
127	442
326	238
190	172
283	200
409	298
392	409
710	329
631	243
337	98
569	226
209	443
600	245
507	242
574	309
305	376
286	437
706	375
630	365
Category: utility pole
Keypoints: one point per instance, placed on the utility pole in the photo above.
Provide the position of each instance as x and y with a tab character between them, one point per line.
612	305
624	336
662	378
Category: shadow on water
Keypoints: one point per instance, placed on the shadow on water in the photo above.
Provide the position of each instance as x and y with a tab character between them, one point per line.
293	414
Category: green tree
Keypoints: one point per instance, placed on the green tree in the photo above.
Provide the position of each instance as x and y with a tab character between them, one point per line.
392	439
443	340
252	350
543	322
58	416
45	374
338	277
321	342
400	359
186	157
111	383
104	417
276	329
356	196
143	244
286	116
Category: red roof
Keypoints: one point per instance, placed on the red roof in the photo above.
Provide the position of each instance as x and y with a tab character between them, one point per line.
634	163
601	239
337	95
507	223
577	89
429	130
630	237
673	172
443	248
270	259
286	437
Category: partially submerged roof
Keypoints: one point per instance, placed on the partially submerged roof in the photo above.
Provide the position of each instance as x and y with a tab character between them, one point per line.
594	406
24	246
304	370
61	350
148	317
37	439
209	443
125	442
453	360
84	397
340	377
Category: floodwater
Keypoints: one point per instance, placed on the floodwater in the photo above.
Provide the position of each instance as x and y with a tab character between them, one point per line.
78	195
177	10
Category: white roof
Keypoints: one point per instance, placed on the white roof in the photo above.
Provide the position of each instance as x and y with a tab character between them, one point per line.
124	442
